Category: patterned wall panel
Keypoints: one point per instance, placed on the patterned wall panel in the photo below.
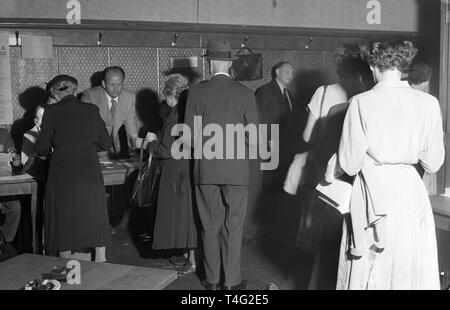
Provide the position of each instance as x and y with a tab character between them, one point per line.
164	63
310	73
140	65
26	73
82	63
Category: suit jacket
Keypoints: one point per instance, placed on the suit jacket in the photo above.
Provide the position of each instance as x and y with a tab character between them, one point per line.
125	111
271	103
273	109
221	101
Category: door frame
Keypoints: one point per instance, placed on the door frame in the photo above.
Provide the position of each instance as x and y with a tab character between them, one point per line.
443	176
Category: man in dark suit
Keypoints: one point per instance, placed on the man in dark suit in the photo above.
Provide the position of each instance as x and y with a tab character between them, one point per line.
221	183
277	106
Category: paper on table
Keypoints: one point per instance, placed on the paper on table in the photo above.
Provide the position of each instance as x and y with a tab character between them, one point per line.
106	162
337	194
37	46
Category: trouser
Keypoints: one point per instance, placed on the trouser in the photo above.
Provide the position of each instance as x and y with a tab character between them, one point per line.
252	224
222	211
12	211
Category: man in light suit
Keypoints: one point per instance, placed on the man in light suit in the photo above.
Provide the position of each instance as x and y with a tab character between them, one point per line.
117	108
221	185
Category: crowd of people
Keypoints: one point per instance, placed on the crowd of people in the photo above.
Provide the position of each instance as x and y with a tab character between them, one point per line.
382	131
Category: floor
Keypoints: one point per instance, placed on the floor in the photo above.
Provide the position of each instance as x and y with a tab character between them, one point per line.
272	262
267	263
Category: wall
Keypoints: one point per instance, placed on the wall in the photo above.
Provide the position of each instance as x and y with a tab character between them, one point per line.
396	15
146	67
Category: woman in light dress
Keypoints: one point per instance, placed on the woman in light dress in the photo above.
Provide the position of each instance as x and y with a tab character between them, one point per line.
387	130
327	110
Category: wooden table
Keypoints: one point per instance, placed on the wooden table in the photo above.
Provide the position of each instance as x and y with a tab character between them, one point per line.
23	184
115	172
16	272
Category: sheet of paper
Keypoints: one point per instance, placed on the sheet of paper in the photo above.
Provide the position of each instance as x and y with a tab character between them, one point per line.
337	194
37	46
6	108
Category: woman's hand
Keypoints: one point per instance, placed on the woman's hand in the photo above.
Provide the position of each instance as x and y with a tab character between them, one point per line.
150	137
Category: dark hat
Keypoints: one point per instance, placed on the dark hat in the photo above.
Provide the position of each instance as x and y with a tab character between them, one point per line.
219	50
57	79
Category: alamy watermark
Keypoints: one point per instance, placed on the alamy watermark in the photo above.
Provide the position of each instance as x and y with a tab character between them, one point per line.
235	141
374	15
73	16
74	274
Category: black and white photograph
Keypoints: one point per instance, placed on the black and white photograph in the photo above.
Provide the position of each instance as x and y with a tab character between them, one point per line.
216	145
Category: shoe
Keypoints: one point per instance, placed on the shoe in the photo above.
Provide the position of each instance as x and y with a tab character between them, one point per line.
210	287
188	269
239	287
179	261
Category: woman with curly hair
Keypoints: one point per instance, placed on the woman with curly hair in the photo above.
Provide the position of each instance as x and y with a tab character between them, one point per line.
390	241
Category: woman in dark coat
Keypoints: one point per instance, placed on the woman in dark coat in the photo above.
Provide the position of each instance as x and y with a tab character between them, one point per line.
75	206
174	225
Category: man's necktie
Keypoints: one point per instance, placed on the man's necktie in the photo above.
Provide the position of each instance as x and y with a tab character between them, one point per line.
113	107
287	99
112	110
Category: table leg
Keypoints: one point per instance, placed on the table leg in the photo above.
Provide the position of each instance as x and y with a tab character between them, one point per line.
35	242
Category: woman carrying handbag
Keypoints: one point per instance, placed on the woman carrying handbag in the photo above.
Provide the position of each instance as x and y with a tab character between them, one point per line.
320	226
174	227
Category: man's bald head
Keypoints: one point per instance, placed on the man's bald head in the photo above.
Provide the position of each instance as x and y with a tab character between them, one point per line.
283	72
113	78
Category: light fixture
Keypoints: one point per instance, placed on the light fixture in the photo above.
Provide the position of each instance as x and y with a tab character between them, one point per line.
244	43
100	37
308	45
175	39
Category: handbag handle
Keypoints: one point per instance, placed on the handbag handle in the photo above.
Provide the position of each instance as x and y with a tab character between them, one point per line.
141	155
320	121
244	48
319	125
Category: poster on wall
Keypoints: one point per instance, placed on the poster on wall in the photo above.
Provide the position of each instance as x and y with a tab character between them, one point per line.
39	47
6	107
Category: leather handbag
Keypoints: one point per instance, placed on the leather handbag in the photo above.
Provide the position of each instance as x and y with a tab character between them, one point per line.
37	167
247	67
145	188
